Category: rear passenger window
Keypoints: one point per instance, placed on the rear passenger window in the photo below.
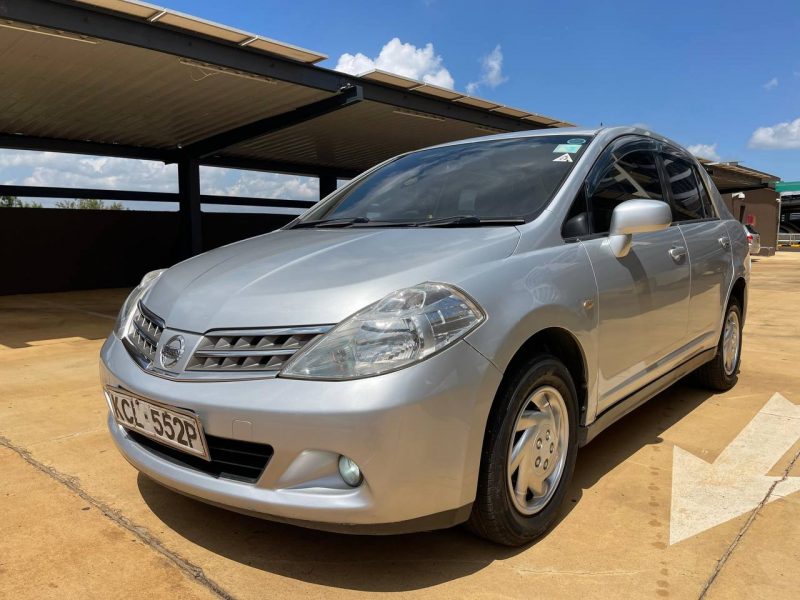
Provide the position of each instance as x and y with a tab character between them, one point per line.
686	201
629	176
708	206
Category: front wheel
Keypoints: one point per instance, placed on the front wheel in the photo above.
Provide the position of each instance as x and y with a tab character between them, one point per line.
529	454
722	372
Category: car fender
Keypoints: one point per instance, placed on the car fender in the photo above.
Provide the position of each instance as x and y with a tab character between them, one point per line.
528	293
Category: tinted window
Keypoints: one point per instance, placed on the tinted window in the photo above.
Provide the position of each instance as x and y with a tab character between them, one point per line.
708	206
686	200
491	179
629	175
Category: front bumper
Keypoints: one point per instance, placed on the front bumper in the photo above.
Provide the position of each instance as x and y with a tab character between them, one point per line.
416	433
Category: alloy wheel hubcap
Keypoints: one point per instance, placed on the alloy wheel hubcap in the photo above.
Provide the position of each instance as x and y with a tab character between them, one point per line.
538	450
730	343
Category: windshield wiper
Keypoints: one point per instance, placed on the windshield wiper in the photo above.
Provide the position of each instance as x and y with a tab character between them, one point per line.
331	222
453	221
469	221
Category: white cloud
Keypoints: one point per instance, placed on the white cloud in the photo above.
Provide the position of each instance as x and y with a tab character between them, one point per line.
23	167
422	64
708	151
771	84
781	136
491	71
252	184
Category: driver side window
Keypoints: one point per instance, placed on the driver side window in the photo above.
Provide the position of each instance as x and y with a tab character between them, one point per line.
626	170
628	175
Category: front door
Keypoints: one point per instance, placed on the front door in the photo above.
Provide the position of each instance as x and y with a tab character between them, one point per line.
643	298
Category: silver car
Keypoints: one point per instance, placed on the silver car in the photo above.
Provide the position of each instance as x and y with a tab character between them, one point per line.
432	343
753	239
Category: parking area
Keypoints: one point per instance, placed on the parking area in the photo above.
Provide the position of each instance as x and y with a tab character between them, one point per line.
693	494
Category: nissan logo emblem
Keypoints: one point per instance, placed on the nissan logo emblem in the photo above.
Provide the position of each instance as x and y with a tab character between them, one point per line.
172	351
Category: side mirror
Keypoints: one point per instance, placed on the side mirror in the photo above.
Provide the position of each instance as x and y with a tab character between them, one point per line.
636	216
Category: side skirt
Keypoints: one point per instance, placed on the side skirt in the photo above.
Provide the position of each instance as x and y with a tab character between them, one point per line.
586	433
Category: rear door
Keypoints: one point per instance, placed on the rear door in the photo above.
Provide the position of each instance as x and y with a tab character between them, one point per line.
643	300
708	244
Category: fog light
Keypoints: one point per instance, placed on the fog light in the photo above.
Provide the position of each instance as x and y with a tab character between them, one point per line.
350	472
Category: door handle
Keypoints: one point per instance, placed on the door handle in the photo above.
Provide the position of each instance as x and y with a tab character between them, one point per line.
677	253
725	242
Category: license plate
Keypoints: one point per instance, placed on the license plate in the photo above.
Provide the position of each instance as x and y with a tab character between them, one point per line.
174	428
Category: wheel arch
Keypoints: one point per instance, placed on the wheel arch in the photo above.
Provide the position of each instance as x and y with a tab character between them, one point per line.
739	291
562	344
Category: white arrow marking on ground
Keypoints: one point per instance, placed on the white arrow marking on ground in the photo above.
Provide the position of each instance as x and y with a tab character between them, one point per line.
705	495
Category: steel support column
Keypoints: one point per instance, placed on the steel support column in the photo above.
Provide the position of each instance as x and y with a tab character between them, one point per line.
190	213
327	185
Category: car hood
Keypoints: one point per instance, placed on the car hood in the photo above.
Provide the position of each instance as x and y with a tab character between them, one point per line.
316	276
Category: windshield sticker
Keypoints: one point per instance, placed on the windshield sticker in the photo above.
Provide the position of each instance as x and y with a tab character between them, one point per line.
576	141
571	148
563	158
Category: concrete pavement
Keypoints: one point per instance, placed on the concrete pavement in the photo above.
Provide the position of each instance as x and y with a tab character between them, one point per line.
75	515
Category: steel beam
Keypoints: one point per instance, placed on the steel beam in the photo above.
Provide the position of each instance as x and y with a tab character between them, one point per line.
35	191
42	144
24	142
245	201
275	166
215	143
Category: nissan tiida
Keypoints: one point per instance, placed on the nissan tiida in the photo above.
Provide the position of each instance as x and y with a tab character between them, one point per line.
431	343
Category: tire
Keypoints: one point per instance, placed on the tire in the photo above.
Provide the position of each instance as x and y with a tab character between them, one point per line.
714	375
498	514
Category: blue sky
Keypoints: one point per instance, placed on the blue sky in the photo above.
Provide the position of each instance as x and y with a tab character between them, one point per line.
722	78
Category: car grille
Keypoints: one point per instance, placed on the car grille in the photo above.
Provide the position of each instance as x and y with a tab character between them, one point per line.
230	459
265	350
146	330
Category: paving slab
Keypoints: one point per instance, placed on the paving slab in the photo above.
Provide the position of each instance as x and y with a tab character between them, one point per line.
612	539
766	563
53	544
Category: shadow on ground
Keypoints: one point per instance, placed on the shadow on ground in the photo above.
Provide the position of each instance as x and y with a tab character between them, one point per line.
33	319
404	562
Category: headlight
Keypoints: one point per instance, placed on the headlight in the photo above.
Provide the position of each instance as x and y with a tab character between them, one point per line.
126	312
401	329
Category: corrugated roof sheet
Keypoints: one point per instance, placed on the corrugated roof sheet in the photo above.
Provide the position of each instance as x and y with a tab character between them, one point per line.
108	92
348	137
167	16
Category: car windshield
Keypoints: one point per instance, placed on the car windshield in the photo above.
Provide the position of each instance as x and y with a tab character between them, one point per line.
502	181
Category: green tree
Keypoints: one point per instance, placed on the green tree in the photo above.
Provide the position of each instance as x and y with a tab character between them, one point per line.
14	202
89	204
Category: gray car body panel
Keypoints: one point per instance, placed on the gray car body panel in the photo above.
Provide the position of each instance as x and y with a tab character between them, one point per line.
418	432
330	273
